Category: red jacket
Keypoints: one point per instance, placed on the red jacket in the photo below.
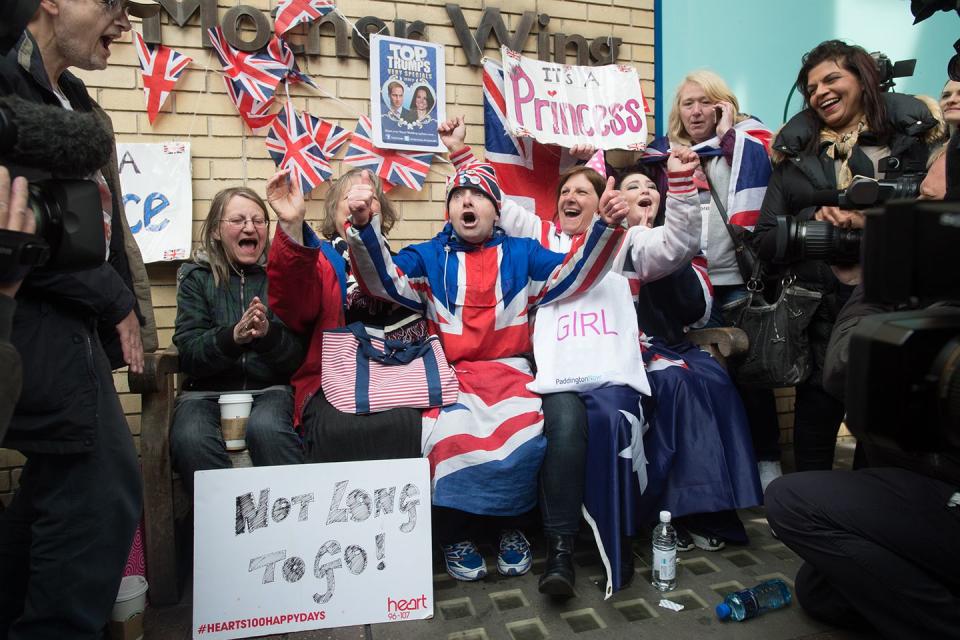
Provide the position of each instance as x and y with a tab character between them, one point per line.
304	293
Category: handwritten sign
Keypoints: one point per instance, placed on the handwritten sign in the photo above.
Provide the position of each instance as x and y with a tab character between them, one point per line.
292	548
407	93
158	198
568	105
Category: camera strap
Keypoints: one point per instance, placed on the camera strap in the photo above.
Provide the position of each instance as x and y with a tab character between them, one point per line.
751	276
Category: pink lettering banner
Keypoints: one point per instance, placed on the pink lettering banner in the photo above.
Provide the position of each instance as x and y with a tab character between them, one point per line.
568	105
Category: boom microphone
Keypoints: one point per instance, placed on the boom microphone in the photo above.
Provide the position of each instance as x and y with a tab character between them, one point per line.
65	143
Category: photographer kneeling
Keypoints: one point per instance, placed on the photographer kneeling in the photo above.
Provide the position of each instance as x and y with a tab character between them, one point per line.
880	544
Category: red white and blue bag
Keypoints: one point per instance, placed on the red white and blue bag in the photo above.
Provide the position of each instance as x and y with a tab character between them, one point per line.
364	374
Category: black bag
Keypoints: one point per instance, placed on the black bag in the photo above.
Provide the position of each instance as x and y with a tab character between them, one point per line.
779	354
747	260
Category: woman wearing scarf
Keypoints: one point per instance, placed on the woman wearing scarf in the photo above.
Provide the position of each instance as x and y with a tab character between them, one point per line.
847	127
734	150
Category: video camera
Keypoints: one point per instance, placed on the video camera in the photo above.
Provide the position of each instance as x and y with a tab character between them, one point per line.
903	378
819	240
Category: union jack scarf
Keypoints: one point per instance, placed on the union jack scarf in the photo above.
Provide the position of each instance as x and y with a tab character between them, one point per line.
290	13
160	67
749	171
401	168
304	144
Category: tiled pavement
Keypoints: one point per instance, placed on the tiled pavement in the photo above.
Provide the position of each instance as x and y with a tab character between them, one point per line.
500	608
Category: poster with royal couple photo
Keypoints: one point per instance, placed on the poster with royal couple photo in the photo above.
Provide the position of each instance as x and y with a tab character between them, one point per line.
407	93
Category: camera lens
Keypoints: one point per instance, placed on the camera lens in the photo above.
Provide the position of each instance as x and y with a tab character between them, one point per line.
815	240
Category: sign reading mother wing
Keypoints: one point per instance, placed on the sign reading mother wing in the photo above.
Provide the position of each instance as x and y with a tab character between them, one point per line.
568	105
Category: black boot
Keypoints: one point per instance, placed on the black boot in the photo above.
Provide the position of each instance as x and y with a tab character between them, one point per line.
558	578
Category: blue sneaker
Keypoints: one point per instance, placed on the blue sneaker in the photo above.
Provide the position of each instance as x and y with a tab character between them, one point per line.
514	558
464	561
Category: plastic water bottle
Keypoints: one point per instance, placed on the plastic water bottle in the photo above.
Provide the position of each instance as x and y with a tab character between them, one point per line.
749	603
664	554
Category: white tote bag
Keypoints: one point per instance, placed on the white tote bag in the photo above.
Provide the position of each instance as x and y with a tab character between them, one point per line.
589	341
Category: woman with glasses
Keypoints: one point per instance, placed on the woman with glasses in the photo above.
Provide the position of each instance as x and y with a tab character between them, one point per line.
230	342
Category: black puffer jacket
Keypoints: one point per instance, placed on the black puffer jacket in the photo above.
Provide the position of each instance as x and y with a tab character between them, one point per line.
797	174
206	315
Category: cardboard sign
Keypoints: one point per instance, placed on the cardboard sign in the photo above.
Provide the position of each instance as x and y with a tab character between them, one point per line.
568	105
158	198
292	548
407	93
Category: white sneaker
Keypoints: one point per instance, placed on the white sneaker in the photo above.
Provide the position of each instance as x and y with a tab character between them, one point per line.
769	471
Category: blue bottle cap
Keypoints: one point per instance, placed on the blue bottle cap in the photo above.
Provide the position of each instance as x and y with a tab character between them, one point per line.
723	611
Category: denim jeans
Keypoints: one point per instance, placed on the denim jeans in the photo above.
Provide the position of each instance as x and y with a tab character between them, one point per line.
196	443
562	472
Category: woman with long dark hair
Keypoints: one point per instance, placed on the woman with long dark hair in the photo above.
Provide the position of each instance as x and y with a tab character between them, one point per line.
848	126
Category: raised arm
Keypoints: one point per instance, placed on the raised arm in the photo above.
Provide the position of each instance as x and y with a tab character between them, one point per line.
515	220
401	279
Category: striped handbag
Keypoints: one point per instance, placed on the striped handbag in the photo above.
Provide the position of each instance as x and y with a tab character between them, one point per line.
362	374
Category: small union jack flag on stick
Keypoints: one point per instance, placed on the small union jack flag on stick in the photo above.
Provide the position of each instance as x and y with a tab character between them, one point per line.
161	67
304	144
290	13
401	168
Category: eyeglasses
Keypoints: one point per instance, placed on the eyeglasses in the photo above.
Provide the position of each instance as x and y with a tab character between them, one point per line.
240	223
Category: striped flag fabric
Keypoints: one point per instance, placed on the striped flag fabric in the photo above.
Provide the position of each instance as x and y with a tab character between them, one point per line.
528	171
290	13
750	168
160	67
252	77
485	450
400	168
292	143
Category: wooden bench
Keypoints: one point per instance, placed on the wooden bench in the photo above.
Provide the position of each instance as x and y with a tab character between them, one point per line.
157	386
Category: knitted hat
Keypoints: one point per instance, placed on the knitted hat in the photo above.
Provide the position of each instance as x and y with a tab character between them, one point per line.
480	176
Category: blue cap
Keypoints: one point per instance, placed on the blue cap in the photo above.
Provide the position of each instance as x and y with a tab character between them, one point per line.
724	611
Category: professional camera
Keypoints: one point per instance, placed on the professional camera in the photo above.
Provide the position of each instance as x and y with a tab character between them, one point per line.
818	240
890	70
42	141
903	379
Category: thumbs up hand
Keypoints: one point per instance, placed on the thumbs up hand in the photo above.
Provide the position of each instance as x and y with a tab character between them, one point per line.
613	208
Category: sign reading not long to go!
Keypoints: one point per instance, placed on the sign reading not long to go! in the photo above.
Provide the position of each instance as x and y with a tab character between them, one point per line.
568	105
292	548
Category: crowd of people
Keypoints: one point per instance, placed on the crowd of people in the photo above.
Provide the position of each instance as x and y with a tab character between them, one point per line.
653	238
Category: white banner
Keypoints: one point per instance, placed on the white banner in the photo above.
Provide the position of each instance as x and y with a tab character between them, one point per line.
292	548
568	105
158	198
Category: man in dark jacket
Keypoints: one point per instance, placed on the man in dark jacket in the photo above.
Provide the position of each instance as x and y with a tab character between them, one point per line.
65	538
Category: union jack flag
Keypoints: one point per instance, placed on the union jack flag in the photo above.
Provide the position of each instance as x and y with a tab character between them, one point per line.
749	168
251	78
280	50
292	143
161	67
402	168
485	450
290	13
528	171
